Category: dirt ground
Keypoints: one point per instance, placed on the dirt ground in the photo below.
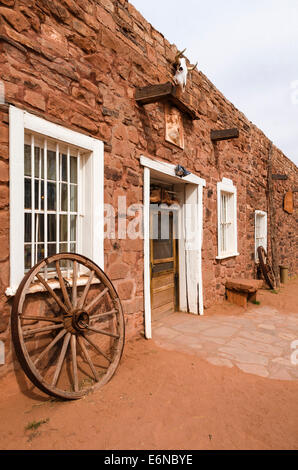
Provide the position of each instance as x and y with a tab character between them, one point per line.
160	399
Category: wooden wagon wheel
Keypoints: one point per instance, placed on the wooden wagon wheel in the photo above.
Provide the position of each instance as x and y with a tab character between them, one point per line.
67	326
266	268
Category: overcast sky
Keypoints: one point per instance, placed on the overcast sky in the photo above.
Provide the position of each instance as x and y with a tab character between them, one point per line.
248	49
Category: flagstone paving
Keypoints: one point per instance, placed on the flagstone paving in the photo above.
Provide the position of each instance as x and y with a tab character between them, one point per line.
258	341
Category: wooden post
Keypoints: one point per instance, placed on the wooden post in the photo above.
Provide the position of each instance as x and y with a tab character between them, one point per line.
272	218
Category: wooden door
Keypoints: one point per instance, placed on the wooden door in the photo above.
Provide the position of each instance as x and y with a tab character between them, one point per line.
164	276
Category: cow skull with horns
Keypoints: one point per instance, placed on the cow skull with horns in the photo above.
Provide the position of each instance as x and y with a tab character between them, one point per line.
181	70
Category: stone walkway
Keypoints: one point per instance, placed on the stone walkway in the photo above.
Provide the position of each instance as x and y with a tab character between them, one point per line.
257	341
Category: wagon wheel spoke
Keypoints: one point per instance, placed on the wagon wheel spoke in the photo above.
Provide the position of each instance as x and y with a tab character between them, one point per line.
63	352
40	318
73	345
88	359
50	346
74	284
51	292
266	268
97	349
95	301
93	318
102	332
86	290
61	359
44	329
62	285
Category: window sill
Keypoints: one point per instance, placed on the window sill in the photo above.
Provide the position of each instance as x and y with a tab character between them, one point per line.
227	255
53	283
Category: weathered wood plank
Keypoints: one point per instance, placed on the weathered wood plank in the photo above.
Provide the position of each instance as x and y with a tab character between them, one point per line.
152	93
244	285
224	134
164	92
279	177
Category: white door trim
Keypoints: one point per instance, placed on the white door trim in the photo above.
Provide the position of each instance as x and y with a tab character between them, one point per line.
169	170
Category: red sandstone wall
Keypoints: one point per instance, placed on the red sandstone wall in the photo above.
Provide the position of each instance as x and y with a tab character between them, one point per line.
77	63
286	224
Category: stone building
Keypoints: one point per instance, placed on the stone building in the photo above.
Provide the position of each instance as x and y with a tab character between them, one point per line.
71	69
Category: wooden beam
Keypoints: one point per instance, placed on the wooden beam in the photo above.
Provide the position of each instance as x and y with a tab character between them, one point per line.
224	134
153	93
279	177
164	92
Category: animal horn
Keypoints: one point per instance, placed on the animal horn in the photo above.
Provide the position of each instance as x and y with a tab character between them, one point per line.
192	67
179	55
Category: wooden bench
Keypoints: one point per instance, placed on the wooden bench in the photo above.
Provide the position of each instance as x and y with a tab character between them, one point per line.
241	291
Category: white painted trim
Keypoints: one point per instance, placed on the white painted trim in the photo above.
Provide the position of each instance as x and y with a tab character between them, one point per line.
16	196
201	222
180	193
93	169
226	185
192	246
146	217
228	255
169	169
97	207
264	214
55	131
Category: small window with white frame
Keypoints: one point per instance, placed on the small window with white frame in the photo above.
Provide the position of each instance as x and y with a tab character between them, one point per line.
56	193
260	232
51	201
227	219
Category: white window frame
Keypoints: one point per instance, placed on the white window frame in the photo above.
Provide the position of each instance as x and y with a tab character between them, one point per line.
227	186
92	214
260	214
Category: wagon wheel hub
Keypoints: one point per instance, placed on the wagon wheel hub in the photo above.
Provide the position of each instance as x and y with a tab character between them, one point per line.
80	320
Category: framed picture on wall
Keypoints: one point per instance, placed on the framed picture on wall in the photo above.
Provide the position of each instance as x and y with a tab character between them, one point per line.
174	126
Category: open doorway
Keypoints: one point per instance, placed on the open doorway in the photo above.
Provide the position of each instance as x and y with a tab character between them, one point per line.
164	258
172	264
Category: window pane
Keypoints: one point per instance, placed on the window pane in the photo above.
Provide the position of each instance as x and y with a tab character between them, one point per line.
51	196
63	228
73	248
64	198
39	227
51	249
39	195
27	193
40	252
27	151
27	256
65	264
63	167
73	170
63	248
51	165
73	228
52	227
38	162
73	198
28	220
230	209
